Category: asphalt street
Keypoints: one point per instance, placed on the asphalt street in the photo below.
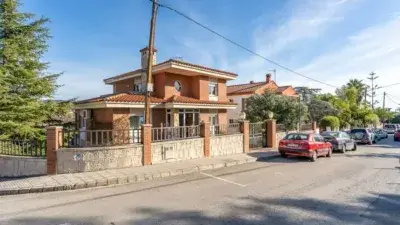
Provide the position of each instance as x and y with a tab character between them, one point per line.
361	187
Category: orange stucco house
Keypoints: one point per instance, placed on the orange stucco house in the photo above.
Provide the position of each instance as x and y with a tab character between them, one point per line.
184	94
239	92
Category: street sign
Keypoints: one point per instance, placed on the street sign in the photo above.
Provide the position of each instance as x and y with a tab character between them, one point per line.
150	87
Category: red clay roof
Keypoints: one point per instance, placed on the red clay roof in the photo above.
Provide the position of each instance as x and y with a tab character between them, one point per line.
244	88
135	98
121	97
282	89
176	62
250	88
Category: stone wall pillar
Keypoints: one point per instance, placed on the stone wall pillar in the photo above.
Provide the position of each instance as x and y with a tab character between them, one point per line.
146	141
205	133
245	129
271	134
53	143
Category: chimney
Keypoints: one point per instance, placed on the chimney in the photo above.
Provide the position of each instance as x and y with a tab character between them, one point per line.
268	78
145	55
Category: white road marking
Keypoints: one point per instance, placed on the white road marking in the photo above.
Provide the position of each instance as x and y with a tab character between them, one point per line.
278	174
222	179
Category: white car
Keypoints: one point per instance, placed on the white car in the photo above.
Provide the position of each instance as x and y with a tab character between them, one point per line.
390	128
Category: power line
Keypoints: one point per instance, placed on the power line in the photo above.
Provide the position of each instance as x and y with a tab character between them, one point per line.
387	95
239	45
386	86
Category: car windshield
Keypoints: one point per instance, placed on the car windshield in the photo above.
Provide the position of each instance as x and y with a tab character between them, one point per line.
354	131
330	134
390	126
301	137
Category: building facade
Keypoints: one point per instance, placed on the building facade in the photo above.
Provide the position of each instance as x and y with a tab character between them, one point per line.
240	92
184	94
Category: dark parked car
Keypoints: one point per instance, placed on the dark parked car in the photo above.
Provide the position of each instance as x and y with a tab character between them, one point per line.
364	135
340	141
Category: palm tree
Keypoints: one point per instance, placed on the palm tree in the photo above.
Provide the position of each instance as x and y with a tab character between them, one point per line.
361	88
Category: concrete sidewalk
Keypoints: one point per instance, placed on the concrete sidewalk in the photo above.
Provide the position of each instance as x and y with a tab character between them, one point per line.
131	175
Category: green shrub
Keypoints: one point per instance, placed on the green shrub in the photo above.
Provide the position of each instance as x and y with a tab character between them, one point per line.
329	121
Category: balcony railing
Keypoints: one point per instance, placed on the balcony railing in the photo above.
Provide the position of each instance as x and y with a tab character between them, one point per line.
174	133
98	138
225	129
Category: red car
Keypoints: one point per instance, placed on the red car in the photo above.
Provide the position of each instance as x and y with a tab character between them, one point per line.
303	144
397	135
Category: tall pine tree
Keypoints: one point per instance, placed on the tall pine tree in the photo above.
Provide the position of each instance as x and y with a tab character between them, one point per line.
26	89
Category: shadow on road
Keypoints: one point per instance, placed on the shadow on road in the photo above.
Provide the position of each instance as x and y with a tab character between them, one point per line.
376	208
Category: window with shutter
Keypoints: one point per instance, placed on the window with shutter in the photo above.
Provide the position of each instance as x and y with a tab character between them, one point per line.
244	106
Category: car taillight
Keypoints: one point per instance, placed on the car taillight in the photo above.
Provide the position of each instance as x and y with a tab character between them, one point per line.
281	144
306	146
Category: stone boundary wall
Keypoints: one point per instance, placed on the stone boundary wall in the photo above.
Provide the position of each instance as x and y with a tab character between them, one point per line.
72	160
226	145
20	166
172	151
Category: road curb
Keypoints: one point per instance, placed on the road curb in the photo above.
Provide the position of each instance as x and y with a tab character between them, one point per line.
129	178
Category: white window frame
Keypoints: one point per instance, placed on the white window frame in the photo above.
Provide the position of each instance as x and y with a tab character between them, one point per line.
213	83
137	85
84	116
168	112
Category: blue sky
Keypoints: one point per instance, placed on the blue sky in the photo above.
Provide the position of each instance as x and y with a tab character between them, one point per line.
329	40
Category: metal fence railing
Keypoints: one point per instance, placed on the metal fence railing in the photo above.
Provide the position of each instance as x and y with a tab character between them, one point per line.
225	129
98	138
23	148
257	134
174	133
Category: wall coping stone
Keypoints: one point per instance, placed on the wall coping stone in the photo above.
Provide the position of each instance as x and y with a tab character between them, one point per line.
31	158
102	148
175	141
226	135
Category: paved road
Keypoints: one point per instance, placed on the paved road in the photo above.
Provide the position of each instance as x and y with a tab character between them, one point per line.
360	187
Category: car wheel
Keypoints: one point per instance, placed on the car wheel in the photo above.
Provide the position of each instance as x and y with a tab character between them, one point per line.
314	156
343	150
374	141
355	147
283	155
329	153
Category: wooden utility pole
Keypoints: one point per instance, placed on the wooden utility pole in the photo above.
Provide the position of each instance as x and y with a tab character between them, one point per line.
149	83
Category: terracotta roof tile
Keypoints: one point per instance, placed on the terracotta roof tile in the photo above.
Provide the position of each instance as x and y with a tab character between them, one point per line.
121	97
135	98
176	62
244	88
197	66
282	88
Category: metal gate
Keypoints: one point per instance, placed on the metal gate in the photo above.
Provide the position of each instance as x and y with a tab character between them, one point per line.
257	135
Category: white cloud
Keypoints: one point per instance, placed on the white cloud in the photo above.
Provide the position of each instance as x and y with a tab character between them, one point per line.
373	49
307	21
80	81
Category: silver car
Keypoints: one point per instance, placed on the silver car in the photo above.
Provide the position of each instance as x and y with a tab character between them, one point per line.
390	128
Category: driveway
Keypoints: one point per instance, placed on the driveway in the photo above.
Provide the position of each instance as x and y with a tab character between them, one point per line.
361	187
